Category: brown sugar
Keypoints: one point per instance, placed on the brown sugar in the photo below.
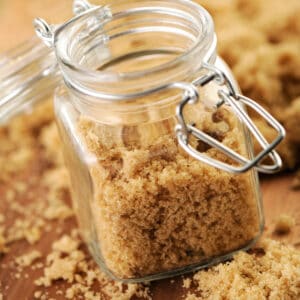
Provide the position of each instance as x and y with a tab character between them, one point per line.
66	262
273	274
157	209
284	224
27	259
37	294
187	283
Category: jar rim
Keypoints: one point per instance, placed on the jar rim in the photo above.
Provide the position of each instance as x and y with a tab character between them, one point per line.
76	72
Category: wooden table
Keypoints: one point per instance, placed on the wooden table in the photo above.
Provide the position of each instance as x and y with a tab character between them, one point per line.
278	197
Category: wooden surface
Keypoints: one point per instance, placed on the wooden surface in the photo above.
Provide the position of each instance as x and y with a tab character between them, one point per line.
15	25
278	199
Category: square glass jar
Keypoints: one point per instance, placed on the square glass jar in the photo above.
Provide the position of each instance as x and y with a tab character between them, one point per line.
147	208
154	132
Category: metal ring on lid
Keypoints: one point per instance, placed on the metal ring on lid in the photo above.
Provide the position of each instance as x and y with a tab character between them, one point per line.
44	31
80	6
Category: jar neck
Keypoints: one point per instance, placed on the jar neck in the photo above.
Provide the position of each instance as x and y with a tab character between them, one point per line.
120	50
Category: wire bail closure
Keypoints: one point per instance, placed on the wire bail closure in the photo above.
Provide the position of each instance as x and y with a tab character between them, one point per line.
228	96
46	32
232	98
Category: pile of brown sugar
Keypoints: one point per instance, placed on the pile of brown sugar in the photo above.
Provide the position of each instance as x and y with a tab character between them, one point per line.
269	271
40	245
155	207
69	263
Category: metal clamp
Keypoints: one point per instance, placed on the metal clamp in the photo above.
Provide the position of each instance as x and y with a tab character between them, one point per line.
47	32
81	6
232	98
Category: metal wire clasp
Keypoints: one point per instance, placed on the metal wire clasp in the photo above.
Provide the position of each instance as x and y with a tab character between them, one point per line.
231	97
46	32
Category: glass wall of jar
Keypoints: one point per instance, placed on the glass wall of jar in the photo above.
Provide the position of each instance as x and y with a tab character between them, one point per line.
28	76
147	208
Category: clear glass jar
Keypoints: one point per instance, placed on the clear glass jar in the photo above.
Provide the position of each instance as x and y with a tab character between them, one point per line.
154	196
28	76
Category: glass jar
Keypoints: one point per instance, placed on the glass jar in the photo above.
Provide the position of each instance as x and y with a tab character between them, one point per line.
156	139
28	76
